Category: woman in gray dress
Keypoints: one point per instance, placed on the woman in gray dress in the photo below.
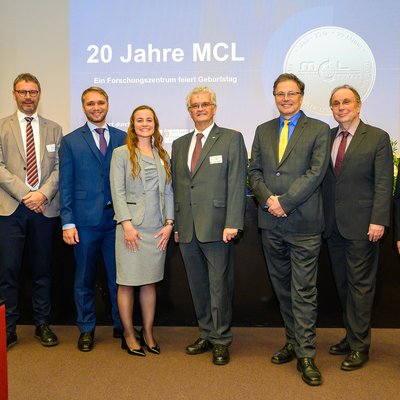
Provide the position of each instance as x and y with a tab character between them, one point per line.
143	204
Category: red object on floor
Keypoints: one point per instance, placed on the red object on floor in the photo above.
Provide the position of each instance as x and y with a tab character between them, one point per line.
3	353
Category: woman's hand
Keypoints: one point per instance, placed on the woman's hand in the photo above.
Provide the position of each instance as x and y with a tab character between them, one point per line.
164	233
131	236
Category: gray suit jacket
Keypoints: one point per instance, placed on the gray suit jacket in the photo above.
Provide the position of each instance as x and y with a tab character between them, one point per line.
129	193
214	196
296	179
13	165
361	194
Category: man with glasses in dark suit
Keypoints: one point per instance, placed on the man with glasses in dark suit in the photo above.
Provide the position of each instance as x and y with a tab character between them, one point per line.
357	194
290	155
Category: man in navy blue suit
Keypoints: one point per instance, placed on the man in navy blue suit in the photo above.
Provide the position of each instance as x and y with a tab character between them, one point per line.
87	213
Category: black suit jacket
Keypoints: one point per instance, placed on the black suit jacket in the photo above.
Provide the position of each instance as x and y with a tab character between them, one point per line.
361	193
296	178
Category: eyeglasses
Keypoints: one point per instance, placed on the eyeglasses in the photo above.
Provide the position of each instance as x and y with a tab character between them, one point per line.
289	95
344	103
23	93
196	106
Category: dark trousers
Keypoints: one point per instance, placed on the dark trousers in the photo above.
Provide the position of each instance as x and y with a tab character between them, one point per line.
93	241
354	265
25	227
210	272
292	260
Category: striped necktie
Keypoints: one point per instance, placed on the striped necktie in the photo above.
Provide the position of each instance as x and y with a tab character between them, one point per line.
31	164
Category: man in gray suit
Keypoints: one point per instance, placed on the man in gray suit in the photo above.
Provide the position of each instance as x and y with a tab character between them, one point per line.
290	155
209	178
357	193
29	205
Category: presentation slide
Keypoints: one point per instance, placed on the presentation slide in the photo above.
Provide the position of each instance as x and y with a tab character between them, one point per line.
155	52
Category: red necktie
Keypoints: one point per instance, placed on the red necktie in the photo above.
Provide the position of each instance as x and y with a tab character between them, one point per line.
341	151
31	166
103	143
196	152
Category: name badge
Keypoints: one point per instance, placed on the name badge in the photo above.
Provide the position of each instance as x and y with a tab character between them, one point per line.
216	159
51	148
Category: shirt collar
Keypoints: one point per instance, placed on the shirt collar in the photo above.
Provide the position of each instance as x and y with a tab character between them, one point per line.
206	131
21	116
92	126
351	130
293	120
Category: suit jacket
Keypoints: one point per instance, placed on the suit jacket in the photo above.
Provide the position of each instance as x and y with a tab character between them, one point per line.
84	176
129	192
13	165
361	193
296	179
214	196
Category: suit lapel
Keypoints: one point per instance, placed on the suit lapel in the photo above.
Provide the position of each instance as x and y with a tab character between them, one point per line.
358	138
43	130
185	151
88	137
16	129
211	140
296	134
141	175
160	171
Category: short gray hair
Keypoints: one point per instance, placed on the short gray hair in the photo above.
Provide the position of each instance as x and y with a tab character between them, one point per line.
201	89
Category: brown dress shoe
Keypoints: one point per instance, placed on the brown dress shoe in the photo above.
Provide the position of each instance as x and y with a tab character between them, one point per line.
198	347
355	360
309	371
284	355
340	349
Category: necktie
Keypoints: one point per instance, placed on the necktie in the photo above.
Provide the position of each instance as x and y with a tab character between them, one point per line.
103	143
196	151
283	138
31	165
341	151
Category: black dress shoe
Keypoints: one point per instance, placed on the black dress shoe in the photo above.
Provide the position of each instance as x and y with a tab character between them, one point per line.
220	354
284	355
133	352
199	346
12	339
340	349
86	341
46	336
309	371
155	350
355	360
